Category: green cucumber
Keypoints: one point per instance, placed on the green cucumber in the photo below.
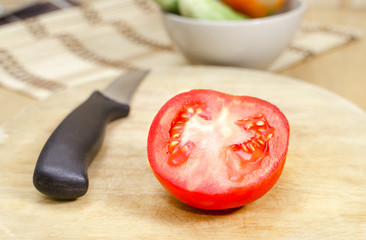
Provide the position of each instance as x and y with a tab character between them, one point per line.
208	10
168	5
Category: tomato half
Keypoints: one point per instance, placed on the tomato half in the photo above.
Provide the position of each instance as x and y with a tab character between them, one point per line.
212	150
255	8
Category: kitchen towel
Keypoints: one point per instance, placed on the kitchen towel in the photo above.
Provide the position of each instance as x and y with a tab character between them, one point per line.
64	48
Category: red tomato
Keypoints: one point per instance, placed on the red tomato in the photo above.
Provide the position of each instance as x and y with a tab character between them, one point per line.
255	8
212	150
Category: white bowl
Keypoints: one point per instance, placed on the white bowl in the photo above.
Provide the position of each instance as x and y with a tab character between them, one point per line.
252	43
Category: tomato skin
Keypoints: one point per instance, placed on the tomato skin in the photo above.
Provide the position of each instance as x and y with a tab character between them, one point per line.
233	196
255	8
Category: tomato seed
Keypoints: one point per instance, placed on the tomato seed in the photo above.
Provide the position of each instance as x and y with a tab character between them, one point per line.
175	150
185	116
269	136
260	123
184	149
256	143
177	127
176	136
174	143
244	148
190	110
248	125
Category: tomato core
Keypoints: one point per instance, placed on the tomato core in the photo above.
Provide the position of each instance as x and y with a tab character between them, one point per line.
240	158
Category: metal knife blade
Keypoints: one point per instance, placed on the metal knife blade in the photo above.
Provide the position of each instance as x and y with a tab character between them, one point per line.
61	169
122	89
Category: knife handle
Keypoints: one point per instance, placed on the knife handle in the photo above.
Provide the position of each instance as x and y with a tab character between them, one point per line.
61	169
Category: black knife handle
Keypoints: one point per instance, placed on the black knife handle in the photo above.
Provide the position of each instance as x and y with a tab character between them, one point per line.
61	169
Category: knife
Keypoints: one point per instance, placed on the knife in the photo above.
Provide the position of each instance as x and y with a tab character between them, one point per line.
34	9
61	169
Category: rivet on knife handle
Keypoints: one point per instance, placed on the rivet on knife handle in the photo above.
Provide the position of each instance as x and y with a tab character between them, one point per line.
61	169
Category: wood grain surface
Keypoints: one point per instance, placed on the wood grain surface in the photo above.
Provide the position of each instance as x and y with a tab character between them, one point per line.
320	195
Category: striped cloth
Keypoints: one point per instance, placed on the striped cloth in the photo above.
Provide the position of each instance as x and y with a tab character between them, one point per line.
96	39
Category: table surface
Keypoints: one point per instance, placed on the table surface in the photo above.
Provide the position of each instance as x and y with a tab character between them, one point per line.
314	198
341	70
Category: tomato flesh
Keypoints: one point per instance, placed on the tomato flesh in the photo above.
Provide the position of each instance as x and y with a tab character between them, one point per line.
213	150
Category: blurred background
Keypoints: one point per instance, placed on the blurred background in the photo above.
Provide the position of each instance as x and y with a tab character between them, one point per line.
339	68
11	5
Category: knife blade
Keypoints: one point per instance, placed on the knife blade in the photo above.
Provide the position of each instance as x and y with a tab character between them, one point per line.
61	168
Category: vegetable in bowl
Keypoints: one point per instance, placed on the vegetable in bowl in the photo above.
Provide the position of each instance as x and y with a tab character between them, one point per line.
202	9
222	9
251	43
168	5
256	8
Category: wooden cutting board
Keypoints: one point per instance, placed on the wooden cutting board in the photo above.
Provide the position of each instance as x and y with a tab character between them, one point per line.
320	195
